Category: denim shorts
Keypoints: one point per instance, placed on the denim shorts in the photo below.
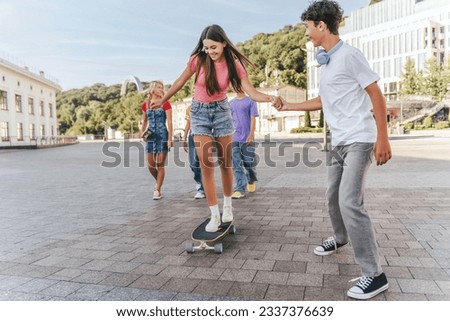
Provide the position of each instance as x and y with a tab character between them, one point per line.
211	119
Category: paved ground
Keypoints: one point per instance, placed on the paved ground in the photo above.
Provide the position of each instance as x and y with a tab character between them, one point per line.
72	229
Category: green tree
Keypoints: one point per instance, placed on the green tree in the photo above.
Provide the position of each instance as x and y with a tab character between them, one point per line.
434	80
278	57
307	119
411	83
321	119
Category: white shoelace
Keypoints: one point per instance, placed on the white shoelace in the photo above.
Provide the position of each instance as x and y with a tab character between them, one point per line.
364	281
330	242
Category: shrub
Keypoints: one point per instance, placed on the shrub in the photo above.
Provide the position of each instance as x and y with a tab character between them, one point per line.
428	122
305	130
442	125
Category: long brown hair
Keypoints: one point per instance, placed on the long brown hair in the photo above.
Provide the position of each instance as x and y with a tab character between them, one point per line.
231	53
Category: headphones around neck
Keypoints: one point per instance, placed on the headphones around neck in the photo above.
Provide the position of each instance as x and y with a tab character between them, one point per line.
323	57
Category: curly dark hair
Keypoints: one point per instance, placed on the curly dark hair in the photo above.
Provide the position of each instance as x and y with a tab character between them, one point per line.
327	11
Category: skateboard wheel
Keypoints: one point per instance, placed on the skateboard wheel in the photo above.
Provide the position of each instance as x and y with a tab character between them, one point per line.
232	229
218	248
189	247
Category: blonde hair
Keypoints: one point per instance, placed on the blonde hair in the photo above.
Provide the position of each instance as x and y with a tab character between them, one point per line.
153	85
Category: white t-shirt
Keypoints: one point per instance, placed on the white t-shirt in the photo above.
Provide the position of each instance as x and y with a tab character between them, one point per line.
346	105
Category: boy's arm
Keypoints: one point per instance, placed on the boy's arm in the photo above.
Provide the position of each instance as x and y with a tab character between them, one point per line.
382	150
309	105
252	130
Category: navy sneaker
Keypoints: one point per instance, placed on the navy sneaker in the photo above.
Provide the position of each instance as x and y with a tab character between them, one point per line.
328	247
367	287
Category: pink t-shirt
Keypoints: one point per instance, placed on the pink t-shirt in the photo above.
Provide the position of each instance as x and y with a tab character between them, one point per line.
200	93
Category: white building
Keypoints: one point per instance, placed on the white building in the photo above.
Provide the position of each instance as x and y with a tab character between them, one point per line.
390	32
27	107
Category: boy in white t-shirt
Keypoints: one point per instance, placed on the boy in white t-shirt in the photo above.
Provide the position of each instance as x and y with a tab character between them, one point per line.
348	92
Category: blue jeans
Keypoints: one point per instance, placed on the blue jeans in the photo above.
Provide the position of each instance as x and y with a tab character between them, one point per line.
194	164
243	166
211	119
345	196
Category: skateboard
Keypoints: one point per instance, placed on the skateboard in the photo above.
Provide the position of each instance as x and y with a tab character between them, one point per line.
209	240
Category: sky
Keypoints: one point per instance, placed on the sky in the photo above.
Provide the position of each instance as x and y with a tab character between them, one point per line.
82	42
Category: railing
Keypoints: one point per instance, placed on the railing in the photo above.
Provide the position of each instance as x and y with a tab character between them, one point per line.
37	141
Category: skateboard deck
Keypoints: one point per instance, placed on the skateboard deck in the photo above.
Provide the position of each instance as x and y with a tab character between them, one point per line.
209	240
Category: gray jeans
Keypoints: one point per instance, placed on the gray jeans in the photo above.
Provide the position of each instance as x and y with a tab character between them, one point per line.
347	171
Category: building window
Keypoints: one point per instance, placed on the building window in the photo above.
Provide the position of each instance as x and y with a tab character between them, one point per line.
387	68
19	133
41	108
31	106
18	103
3	100
42	130
4	130
32	131
50	110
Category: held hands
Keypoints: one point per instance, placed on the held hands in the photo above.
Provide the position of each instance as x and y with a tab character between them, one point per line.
156	103
278	103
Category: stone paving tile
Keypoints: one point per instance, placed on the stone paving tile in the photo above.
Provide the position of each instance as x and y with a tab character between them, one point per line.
285	293
428	273
419	286
248	291
290	267
35	285
271	277
62	289
303	279
92	277
266	265
21	296
154	295
90	292
150	282
181	285
206	273
12	282
121	267
322	268
193	297
150	269
238	275
201	261
176	271
122	294
66	274
213	287
120	279
323	294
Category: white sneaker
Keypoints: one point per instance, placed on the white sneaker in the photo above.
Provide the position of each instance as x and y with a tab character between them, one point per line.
213	225
199	195
227	214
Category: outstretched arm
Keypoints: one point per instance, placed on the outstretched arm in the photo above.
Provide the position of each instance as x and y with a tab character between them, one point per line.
257	95
177	85
309	105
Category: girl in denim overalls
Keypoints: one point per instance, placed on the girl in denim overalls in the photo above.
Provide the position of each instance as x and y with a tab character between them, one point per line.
159	142
216	64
